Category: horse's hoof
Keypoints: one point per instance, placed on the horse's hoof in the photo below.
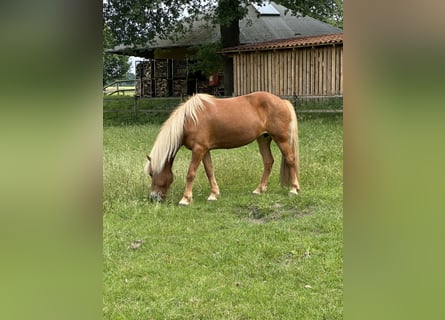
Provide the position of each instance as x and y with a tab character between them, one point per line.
184	202
293	192
212	197
259	190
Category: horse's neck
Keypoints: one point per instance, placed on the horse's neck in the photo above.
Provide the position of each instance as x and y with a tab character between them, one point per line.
166	164
169	164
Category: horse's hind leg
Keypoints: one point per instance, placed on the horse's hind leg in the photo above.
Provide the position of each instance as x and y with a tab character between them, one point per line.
207	161
288	167
264	144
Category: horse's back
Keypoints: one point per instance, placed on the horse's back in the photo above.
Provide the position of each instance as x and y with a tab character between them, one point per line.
228	123
237	121
249	104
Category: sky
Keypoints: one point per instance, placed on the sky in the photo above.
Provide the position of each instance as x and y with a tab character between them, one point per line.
132	61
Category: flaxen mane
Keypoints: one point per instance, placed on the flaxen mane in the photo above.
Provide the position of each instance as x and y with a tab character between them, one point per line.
169	139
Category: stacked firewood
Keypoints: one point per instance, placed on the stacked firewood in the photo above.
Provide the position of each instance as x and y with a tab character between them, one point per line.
160	77
179	87
161	87
144	79
180	68
143	69
163	78
161	69
147	88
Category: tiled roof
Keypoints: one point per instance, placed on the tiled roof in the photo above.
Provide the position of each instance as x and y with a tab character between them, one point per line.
254	28
289	43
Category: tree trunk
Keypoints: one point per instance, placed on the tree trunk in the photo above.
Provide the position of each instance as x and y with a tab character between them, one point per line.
229	38
228	75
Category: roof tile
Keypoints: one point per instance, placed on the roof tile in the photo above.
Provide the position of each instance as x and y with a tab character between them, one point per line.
289	43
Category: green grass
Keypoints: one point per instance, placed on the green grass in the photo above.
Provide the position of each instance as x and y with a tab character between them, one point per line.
241	257
124	93
159	107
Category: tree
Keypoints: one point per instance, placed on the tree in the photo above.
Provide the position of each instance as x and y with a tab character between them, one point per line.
206	59
130	76
115	67
138	22
336	19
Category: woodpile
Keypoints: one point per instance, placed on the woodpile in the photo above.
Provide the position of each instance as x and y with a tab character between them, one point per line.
179	68
161	87
144	79
179	87
161	68
166	78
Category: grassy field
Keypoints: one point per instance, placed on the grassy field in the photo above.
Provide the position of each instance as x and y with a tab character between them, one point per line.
124	93
127	102
241	257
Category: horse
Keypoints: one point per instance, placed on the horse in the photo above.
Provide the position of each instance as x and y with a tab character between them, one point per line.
203	123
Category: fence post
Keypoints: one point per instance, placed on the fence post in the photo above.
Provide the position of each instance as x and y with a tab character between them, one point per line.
295	101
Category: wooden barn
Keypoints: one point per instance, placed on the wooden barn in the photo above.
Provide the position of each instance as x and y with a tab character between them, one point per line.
303	66
165	72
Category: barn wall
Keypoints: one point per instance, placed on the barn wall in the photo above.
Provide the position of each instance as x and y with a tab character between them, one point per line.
311	71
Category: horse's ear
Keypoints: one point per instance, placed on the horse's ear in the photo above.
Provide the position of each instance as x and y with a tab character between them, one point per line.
148	158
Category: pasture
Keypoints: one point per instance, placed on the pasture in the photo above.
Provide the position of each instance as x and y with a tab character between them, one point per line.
242	257
126	90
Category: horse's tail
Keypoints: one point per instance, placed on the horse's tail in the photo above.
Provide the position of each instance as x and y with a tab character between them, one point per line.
285	175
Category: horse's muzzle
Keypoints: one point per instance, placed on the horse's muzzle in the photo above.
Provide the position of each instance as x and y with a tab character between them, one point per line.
156	197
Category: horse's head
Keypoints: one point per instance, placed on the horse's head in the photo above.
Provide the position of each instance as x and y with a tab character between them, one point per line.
160	182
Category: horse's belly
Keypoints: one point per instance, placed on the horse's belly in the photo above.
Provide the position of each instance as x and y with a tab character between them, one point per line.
225	128
233	138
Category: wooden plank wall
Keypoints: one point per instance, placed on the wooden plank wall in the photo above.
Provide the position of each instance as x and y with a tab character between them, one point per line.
312	71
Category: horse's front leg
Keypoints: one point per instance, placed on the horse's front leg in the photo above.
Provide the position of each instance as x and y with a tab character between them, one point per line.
197	156
214	189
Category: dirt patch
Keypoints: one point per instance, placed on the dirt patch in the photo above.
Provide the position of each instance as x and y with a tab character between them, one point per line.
277	211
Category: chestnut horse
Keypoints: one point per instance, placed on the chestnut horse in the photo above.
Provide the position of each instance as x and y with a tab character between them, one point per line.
204	122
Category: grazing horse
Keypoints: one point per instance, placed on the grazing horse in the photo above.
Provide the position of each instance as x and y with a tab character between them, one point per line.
204	122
